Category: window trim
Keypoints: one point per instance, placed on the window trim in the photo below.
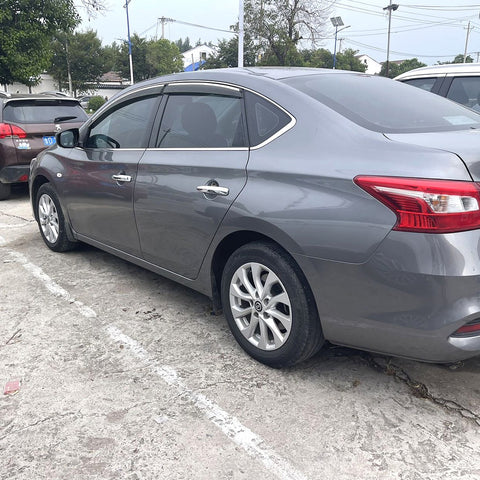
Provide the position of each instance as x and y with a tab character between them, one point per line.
191	84
135	96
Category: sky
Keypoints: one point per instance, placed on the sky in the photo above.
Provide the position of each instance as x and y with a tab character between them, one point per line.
432	31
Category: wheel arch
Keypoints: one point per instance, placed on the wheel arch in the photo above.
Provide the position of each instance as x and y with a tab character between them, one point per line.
230	244
36	184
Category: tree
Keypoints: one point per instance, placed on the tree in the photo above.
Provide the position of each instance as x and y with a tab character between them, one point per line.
77	61
183	45
163	57
227	54
279	25
26	29
323	58
139	56
458	59
395	69
150	58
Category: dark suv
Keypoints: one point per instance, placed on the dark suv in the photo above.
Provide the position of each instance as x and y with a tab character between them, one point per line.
28	124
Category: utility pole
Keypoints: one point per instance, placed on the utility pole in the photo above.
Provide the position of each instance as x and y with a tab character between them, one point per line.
240	33
466	42
163	21
129	42
390	7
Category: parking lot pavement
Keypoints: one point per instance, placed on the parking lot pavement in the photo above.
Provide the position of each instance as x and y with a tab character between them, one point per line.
125	375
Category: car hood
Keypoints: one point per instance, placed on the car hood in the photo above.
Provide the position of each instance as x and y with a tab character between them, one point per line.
464	143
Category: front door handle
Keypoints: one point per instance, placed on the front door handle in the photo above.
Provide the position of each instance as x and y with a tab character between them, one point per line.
122	178
213	190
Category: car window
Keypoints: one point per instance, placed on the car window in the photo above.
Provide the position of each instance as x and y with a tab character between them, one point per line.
43	111
202	121
423	83
126	126
384	105
465	90
264	118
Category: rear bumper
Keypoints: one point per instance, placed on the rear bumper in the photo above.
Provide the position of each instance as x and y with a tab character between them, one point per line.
15	174
407	300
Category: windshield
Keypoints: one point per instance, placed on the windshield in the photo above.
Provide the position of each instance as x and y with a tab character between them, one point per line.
385	105
44	111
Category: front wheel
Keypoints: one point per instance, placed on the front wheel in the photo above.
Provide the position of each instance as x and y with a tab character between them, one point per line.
51	220
269	306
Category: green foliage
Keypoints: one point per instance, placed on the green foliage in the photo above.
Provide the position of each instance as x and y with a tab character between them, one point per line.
163	57
95	103
397	69
150	58
458	59
81	54
323	58
111	55
26	28
183	45
227	54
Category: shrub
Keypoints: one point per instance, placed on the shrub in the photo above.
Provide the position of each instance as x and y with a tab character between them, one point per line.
95	103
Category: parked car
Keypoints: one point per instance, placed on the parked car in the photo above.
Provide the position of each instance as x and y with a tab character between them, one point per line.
311	204
28	124
56	93
84	100
459	82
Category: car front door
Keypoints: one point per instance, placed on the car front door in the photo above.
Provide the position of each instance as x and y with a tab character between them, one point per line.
100	183
192	174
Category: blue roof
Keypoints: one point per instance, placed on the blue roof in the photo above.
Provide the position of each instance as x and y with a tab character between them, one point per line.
193	67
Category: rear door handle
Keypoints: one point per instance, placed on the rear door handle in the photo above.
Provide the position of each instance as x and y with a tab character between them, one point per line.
213	190
122	178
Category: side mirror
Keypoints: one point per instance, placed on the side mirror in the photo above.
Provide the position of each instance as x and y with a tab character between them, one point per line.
68	138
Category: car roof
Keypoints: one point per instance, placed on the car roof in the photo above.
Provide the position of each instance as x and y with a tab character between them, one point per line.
244	76
436	70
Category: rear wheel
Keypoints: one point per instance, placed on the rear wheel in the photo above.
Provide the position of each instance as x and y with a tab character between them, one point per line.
5	190
51	220
269	306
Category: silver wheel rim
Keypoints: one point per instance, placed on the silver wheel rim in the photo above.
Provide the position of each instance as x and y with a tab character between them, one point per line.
260	306
48	217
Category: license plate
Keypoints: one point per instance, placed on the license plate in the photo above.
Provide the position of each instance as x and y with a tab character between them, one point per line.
49	141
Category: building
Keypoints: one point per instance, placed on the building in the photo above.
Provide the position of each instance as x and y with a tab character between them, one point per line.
373	67
194	58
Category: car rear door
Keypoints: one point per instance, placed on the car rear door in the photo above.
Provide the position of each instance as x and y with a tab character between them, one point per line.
191	175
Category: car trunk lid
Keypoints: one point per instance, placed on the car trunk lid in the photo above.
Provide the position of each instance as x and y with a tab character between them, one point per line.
463	143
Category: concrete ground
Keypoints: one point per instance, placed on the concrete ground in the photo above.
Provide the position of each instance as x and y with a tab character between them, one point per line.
126	375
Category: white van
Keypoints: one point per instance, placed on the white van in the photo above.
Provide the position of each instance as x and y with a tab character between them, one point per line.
457	81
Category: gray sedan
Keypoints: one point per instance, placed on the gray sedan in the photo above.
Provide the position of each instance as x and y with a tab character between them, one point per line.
310	205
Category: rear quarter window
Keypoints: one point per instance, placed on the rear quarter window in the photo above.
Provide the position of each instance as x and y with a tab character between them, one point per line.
264	119
43	111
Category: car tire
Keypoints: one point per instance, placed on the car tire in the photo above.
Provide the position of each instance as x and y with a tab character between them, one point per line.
51	220
5	190
269	306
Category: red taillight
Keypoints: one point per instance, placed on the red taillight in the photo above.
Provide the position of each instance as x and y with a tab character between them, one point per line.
8	131
428	206
471	327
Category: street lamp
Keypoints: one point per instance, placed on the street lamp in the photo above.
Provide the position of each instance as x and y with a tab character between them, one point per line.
337	22
390	7
129	42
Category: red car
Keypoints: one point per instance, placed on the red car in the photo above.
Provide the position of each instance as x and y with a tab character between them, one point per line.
28	124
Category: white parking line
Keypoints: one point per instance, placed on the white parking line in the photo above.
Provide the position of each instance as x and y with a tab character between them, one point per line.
51	286
231	427
16	225
254	445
